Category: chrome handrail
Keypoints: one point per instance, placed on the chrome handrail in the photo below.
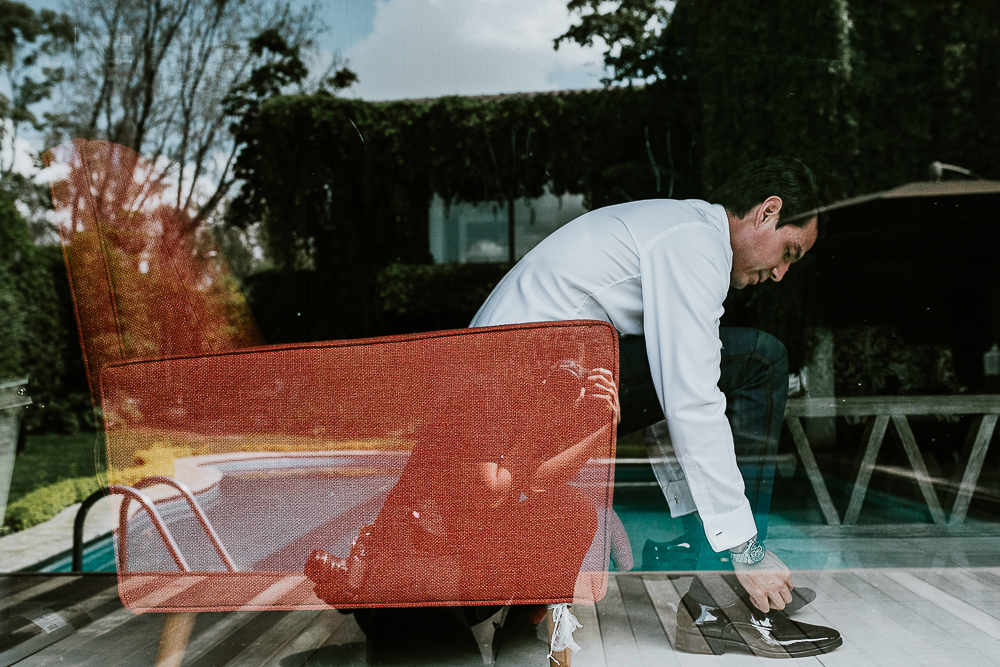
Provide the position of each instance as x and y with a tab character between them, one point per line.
213	537
81	517
131	494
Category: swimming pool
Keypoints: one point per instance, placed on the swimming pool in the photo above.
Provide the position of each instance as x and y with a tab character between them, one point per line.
638	501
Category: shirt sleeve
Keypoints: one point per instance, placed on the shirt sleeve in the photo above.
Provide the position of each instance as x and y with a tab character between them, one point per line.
685	278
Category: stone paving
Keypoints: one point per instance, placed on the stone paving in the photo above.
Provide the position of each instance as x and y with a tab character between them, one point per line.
27	547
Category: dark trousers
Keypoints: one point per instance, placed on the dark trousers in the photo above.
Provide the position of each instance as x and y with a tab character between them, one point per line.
754	378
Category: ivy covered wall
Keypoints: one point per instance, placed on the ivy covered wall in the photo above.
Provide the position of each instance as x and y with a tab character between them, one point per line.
343	187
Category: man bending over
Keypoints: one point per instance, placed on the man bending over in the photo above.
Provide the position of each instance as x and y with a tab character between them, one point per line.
658	271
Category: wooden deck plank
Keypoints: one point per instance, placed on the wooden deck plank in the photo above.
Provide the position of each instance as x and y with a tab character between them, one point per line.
647	630
138	636
274	639
945	638
879	531
88	641
665	592
35	589
936	616
859	406
915	625
591	652
989	578
304	643
942	598
350	653
14	583
616	632
905	628
963	585
211	628
88	595
664	599
876	631
522	644
338	655
101	602
238	639
825	610
120	648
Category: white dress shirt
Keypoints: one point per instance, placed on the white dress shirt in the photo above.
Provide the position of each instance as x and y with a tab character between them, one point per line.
658	268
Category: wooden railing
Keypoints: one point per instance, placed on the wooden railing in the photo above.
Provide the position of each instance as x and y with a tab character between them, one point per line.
880	411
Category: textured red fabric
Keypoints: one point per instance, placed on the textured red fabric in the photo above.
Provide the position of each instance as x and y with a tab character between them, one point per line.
458	467
391	445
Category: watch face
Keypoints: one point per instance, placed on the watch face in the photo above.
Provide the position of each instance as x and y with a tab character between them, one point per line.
752	554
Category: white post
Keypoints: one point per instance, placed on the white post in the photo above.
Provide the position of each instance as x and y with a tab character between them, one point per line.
13	398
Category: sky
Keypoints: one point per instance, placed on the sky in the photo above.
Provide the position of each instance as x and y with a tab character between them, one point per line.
427	48
404	49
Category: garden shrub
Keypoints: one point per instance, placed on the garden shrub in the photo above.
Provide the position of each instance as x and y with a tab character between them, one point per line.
43	504
37	328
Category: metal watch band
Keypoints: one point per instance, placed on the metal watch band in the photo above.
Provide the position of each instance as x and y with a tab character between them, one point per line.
751	555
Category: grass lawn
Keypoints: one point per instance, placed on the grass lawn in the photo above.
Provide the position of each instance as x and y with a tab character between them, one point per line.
54	472
49	458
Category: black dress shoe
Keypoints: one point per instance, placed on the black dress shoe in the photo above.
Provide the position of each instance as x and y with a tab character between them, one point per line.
800	598
706	629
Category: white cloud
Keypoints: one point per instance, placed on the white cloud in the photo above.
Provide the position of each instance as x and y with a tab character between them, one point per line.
429	48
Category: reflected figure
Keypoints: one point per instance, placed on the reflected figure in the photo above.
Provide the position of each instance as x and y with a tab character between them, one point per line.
311	441
508	525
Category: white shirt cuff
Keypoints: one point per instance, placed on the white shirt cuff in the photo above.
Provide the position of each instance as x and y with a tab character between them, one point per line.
725	531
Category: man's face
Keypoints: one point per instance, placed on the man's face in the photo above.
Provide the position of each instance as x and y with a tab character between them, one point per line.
761	252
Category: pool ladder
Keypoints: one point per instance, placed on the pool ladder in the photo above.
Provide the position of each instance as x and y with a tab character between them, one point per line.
133	493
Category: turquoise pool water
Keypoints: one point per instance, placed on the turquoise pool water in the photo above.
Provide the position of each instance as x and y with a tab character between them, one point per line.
98	556
644	513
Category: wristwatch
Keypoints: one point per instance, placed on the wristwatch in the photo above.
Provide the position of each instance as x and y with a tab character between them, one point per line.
751	553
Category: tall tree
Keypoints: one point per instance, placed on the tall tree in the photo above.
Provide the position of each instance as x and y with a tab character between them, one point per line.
870	93
770	77
28	43
153	75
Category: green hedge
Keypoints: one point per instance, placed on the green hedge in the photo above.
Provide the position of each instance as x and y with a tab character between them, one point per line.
431	297
38	330
43	504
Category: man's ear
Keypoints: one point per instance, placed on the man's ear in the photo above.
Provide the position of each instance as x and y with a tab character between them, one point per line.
768	211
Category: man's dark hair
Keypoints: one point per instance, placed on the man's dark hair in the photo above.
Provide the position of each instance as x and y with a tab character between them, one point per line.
783	176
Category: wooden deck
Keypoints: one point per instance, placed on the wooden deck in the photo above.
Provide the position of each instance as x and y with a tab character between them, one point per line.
930	616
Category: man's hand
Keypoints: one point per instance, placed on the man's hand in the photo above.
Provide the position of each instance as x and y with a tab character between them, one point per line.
769	582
